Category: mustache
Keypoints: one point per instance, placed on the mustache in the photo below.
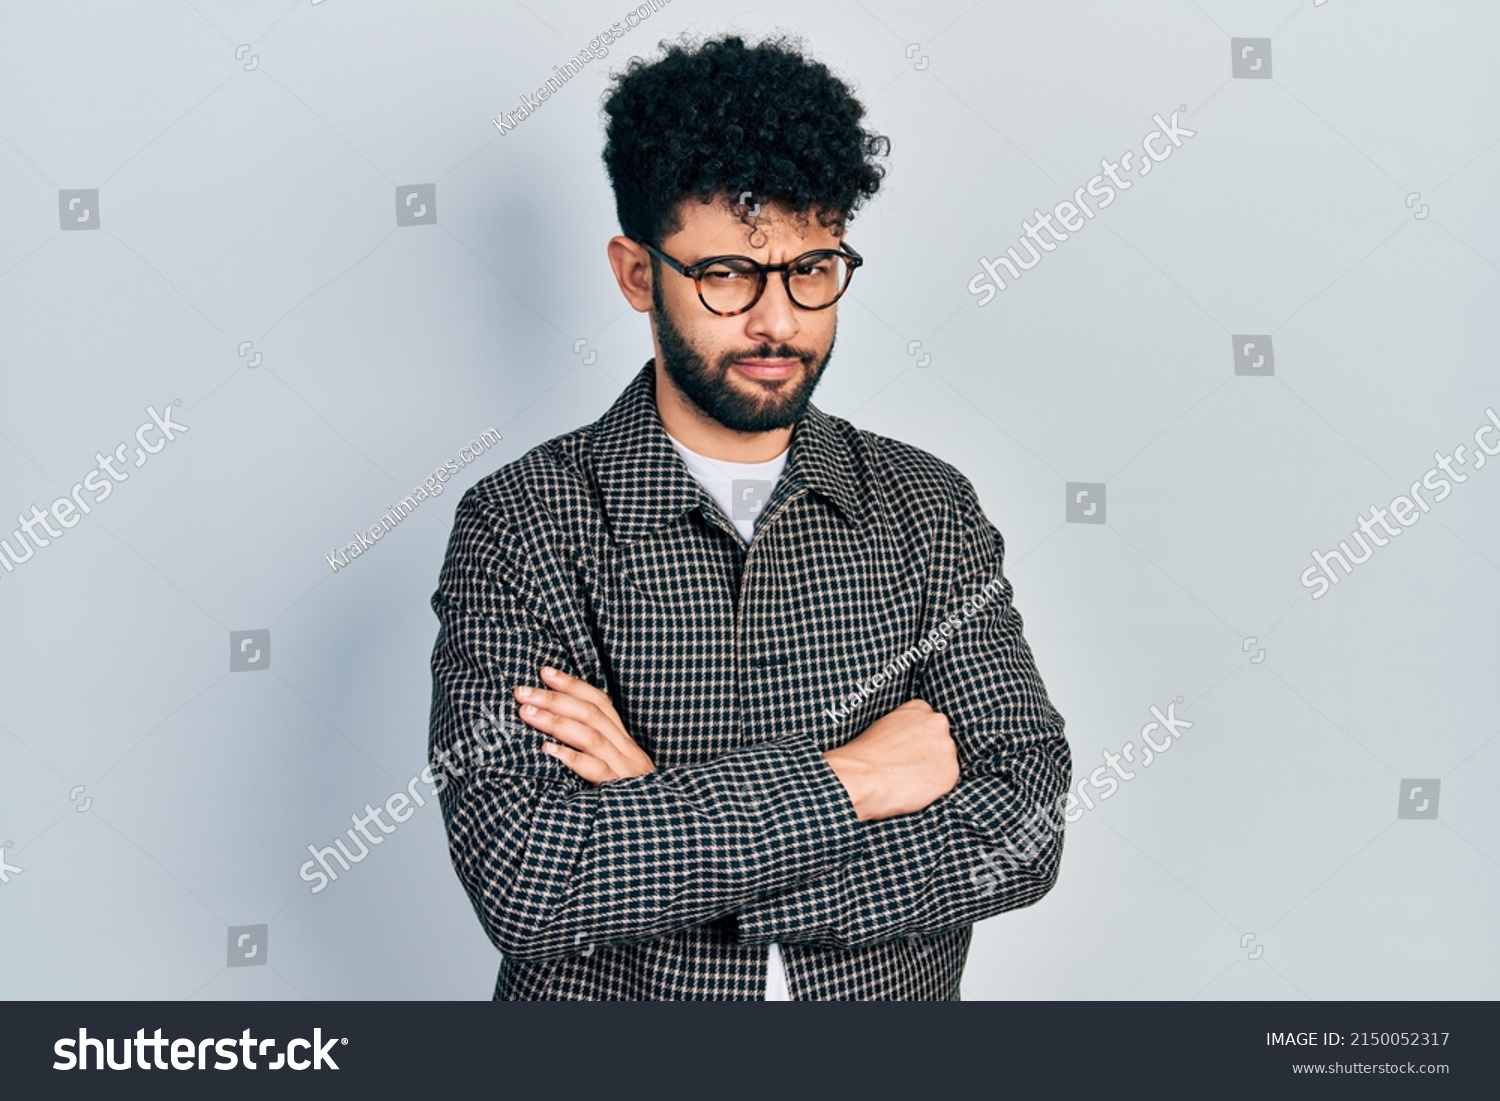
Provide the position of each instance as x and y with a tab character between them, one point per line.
765	351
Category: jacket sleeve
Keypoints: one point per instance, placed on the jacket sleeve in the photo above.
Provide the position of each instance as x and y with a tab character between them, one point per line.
552	863
985	847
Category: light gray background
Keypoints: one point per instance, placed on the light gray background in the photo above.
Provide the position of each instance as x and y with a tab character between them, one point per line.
1262	857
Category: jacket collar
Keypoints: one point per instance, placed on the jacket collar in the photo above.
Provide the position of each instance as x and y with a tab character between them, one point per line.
644	484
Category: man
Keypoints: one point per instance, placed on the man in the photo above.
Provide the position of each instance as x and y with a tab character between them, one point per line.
781	728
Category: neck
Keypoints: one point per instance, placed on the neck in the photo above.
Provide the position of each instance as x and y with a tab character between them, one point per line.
696	431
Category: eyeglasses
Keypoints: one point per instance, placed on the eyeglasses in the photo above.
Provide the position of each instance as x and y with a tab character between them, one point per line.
731	285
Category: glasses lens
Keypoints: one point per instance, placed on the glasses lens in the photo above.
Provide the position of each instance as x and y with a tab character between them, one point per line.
818	279
729	285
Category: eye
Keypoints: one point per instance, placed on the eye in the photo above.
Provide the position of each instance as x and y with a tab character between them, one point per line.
816	269
727	273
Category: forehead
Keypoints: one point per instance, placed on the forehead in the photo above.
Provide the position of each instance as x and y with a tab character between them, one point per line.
724	227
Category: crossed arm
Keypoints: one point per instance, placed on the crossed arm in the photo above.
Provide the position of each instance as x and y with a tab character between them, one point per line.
569	834
898	765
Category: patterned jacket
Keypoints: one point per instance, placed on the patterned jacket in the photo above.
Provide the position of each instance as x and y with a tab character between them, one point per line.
873	578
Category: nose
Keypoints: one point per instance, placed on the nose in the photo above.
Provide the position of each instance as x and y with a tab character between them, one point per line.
774	318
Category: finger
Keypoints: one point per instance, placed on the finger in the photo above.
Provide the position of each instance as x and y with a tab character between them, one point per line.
588	695
582	689
579	735
580	710
563	703
591	769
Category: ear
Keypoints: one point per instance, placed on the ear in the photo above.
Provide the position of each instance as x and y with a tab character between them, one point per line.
631	264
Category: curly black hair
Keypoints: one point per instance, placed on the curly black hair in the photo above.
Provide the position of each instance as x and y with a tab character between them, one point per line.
719	118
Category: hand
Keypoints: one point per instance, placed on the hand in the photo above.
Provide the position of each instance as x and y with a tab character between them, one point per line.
590	738
900	764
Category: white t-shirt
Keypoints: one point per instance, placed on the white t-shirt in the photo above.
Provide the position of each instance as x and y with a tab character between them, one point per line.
741	491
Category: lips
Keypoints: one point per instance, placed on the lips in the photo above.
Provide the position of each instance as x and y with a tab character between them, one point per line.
768	369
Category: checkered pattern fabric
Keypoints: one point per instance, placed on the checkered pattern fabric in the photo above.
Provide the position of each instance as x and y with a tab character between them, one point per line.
733	667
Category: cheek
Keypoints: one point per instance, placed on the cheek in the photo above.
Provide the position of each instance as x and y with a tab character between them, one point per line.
818	337
719	341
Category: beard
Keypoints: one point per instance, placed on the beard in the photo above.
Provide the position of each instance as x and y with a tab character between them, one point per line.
777	404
